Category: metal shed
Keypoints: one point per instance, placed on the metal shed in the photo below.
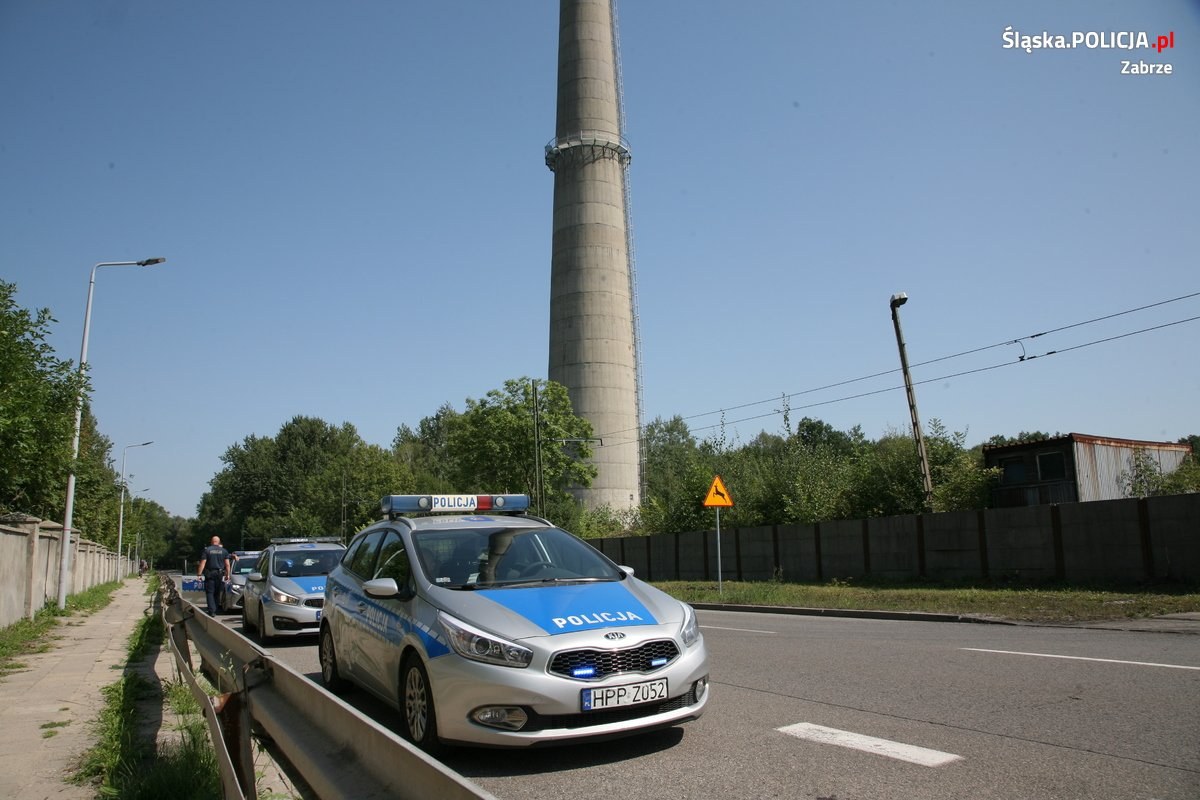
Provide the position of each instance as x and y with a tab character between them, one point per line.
1076	467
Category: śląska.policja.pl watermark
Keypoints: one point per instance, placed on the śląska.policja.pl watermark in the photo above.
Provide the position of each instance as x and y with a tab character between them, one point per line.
1098	40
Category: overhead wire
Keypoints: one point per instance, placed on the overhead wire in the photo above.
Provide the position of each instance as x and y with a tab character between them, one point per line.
1023	359
1017	341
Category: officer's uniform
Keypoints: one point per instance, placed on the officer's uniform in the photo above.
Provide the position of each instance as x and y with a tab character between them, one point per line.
213	558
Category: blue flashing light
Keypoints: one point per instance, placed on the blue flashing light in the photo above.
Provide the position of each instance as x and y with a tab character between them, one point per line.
583	672
658	662
452	503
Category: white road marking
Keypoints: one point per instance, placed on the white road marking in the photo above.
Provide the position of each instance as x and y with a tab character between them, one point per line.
869	744
743	630
1081	658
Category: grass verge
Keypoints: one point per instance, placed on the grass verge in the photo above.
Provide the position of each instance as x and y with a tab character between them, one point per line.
1032	603
123	763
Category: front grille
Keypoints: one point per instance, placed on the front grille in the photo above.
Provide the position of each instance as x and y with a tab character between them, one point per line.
643	658
315	603
289	624
541	722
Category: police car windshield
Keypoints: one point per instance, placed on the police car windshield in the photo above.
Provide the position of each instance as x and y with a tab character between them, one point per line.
304	563
496	557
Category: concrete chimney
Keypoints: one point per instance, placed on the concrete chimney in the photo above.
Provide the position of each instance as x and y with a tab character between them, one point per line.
593	341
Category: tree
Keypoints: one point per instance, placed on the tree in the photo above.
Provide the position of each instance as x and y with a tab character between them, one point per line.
887	478
676	476
1144	477
1024	436
38	393
1186	477
97	486
492	444
426	451
310	479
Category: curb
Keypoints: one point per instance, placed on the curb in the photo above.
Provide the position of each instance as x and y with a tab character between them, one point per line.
910	616
1187	624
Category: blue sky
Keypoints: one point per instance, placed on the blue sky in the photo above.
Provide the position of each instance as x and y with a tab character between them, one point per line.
356	214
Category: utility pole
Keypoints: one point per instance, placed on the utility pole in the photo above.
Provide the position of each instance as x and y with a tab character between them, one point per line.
899	299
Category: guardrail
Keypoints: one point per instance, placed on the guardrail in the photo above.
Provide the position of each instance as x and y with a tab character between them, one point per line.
337	750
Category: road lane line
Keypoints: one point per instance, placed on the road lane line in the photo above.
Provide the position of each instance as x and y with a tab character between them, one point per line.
869	744
743	630
1081	658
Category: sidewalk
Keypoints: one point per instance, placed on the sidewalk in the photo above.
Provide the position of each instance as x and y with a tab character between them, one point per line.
46	709
59	693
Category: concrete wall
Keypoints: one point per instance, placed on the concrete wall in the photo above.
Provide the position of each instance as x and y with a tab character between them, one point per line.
953	547
1020	542
1106	541
1100	539
30	563
1175	538
843	554
798	558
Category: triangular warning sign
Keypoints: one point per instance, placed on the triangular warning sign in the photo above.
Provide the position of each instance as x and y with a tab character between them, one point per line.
718	495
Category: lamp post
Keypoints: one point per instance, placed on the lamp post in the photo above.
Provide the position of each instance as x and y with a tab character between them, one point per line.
137	546
121	513
64	566
899	299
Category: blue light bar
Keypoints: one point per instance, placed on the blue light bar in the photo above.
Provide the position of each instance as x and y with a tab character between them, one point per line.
583	672
657	662
452	503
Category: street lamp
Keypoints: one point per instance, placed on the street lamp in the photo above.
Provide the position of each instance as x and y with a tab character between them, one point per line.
121	513
64	565
899	299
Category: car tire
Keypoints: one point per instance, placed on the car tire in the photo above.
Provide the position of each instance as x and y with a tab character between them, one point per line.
260	627
330	675
416	695
246	626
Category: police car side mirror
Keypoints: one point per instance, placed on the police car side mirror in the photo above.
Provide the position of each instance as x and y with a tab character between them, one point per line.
627	570
255	576
387	589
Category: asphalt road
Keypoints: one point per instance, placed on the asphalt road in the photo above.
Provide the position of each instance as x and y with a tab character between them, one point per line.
840	709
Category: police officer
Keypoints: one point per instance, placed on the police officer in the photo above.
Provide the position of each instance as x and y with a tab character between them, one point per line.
214	568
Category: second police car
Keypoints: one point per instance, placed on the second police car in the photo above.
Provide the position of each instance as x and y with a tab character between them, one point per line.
285	592
487	626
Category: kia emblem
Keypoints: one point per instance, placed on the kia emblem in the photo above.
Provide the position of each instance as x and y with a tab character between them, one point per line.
614	635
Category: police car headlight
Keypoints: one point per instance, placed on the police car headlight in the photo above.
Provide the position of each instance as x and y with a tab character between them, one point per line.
477	645
284	597
690	631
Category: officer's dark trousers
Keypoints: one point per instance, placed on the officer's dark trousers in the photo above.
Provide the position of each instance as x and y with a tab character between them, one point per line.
212	590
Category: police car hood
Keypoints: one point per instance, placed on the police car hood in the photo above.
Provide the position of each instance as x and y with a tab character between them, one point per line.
534	611
300	586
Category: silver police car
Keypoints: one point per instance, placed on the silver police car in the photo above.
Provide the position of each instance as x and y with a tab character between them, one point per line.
489	627
286	591
244	562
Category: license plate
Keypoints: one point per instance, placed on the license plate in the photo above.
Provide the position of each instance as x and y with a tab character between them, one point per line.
631	694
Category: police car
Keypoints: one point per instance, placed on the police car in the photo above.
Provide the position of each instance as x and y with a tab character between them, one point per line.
284	593
486	626
244	562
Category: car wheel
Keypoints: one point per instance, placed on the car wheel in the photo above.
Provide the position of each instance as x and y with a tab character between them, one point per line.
260	626
420	719
246	626
330	676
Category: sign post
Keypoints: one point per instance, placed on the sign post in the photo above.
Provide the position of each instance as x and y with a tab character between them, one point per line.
718	497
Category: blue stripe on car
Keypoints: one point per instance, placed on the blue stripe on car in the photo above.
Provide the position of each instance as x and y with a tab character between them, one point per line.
392	625
574	607
310	585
